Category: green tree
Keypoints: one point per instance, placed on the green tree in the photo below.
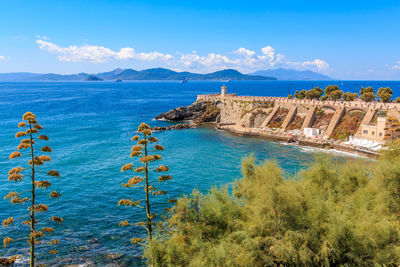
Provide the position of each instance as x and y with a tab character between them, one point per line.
350	96
336	95
397	100
332	213
331	88
314	93
368	96
366	90
300	94
289	96
333	92
36	236
385	94
144	152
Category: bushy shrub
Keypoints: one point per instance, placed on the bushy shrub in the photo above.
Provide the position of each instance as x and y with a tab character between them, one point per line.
332	213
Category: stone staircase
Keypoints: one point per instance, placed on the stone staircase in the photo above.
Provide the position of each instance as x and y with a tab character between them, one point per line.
340	111
308	121
289	117
270	116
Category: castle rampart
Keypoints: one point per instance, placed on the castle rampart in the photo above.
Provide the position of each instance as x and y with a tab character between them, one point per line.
327	119
284	100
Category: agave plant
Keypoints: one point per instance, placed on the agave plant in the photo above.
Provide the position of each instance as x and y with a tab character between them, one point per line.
31	148
145	151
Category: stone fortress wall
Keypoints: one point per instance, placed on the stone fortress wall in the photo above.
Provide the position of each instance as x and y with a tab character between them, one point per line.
281	112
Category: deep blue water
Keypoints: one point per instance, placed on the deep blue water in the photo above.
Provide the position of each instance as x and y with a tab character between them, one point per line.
90	126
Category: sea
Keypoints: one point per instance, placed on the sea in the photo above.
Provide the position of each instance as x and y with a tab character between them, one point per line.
90	125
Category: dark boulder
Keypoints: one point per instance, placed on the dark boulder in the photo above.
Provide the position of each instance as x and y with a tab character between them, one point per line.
199	111
191	112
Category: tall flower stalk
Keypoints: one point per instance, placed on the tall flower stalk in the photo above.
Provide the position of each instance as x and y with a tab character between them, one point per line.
145	150
30	148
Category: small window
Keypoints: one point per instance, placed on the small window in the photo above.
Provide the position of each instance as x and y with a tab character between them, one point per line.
380	134
365	132
373	133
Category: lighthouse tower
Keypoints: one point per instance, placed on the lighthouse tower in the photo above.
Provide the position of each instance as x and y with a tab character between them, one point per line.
223	90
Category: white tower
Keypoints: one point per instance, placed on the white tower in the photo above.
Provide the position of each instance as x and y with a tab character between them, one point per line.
223	90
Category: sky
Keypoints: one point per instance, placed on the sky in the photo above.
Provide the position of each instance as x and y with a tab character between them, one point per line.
349	40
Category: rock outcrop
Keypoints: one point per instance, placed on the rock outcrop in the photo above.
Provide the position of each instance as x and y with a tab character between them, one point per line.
198	112
175	127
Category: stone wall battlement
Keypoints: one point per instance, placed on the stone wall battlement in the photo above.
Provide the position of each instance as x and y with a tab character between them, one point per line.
285	100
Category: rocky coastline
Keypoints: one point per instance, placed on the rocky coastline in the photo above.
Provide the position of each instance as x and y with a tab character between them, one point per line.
194	115
205	111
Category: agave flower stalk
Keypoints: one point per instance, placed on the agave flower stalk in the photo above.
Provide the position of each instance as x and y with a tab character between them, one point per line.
33	167
146	156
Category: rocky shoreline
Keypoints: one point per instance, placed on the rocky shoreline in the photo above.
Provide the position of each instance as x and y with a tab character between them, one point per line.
179	126
201	112
197	113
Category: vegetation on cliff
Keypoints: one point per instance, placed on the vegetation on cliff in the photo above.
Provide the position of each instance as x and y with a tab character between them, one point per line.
296	123
348	125
333	213
278	118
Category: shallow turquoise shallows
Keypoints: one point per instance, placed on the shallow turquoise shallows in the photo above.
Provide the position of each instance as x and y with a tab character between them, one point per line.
90	126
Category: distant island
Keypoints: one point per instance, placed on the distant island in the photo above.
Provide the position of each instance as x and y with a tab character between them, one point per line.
293	75
130	74
93	78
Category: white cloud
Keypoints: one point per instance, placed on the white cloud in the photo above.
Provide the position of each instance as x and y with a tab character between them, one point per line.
211	61
245	52
242	59
318	63
396	66
2	58
97	54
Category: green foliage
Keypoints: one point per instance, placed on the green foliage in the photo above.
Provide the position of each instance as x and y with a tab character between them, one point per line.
385	94
300	94
366	90
314	93
397	100
333	92
333	213
290	96
336	95
319	112
368	96
350	96
331	88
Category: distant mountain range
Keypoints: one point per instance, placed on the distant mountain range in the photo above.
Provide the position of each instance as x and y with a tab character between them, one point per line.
293	75
166	74
130	74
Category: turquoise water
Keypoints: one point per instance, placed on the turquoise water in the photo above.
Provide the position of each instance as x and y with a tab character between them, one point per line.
90	126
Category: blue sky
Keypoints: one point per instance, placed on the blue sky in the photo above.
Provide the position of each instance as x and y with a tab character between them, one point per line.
345	39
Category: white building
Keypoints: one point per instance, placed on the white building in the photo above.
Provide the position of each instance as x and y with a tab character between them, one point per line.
311	132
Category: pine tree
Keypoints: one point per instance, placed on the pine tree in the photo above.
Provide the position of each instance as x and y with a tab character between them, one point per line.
33	169
143	151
